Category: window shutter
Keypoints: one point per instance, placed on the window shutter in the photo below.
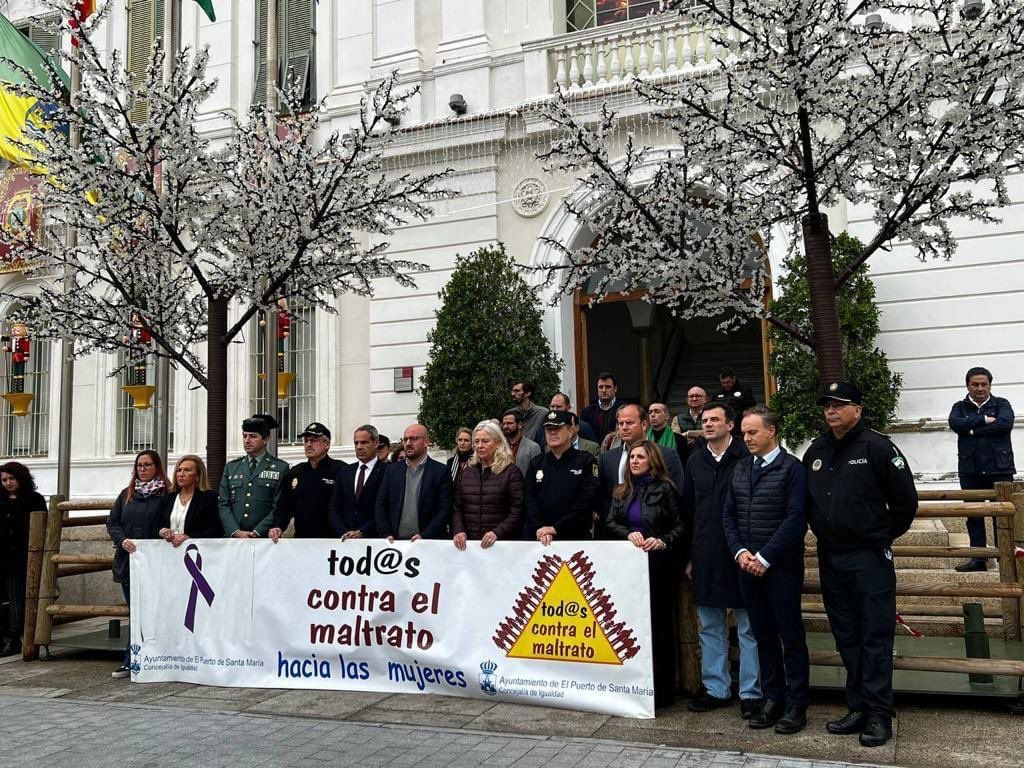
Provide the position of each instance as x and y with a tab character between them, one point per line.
299	22
47	41
259	90
141	33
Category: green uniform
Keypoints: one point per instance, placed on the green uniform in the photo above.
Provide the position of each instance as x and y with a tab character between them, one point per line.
248	494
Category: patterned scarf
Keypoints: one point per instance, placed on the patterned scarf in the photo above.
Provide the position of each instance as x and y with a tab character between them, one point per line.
149	488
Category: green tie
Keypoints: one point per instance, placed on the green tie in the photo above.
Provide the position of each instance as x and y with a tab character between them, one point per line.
252	465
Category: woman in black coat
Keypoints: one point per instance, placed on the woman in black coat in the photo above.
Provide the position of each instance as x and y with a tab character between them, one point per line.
136	515
190	507
17	502
644	511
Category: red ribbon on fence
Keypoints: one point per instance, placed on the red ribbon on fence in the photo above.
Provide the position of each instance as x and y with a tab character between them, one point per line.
902	622
1018	552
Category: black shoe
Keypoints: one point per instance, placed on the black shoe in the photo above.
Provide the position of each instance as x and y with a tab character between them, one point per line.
852	722
6	647
770	714
971	566
875	733
707	702
750	707
793	721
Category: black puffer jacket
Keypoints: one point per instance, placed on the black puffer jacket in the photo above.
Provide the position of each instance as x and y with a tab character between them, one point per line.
660	512
487	502
767	516
139	518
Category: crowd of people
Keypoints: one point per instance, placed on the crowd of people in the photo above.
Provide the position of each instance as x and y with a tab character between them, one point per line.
709	494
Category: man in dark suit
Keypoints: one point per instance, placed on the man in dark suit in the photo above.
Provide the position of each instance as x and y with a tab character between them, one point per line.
632	421
354	500
415	499
600	415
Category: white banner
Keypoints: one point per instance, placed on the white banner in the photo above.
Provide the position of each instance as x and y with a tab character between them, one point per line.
562	626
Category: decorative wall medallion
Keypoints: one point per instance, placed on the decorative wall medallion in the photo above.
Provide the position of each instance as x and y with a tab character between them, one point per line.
530	197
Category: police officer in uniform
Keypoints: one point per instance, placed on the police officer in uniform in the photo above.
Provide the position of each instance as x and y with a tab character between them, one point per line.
561	486
249	485
861	497
307	487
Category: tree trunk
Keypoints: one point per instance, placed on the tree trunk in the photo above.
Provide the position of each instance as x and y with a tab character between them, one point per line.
828	341
217	390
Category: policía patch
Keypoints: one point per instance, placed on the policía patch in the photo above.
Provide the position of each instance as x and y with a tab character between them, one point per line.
295	483
816	465
540	475
898	462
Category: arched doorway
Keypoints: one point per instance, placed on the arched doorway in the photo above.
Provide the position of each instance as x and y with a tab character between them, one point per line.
655	355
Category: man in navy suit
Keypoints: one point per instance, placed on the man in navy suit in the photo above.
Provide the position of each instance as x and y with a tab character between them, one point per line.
354	500
415	499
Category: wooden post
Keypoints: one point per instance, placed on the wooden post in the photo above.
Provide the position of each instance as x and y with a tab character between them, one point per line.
1008	566
689	644
48	573
1017	497
36	531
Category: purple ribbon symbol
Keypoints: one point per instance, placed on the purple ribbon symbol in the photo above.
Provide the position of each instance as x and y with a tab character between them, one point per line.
199	585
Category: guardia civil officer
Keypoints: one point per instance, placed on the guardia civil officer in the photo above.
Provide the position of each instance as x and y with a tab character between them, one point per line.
249	485
561	487
861	496
307	487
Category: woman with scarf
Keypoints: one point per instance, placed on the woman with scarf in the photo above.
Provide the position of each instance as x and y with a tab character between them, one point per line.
463	452
136	514
18	500
645	512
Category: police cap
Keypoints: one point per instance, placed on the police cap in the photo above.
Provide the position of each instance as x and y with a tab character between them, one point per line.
841	392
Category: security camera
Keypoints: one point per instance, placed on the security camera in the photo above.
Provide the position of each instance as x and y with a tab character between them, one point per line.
457	104
973	8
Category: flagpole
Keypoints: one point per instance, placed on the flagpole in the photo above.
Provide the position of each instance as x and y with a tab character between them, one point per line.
162	412
67	344
270	329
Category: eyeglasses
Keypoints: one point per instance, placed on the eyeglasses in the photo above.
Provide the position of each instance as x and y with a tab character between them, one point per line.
145	466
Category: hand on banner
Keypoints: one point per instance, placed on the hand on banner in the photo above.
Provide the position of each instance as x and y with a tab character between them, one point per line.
637	538
178	539
488	540
357	534
240	534
460	540
128	545
688	571
166	534
546	535
653	545
417	537
274	534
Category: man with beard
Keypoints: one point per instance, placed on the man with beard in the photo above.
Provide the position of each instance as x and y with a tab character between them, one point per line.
523	448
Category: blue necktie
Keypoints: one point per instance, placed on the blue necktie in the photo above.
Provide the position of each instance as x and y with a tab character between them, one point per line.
758	466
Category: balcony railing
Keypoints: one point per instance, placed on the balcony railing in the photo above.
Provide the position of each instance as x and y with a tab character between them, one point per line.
656	45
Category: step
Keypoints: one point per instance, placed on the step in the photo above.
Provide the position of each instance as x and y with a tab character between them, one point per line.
946	576
929	626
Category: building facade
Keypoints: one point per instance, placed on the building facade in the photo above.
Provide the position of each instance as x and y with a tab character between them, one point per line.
503	58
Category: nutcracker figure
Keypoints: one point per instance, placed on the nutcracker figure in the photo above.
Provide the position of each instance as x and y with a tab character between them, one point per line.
143	339
18	347
284	327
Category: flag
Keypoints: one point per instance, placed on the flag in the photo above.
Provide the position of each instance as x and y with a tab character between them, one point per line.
207	6
83	10
21	116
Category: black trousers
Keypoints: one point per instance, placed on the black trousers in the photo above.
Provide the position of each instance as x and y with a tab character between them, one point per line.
663	570
12	587
773	605
859	589
976	525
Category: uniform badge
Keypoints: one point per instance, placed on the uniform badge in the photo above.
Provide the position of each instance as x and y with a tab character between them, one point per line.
737	394
295	483
898	462
540	475
833	387
551	416
595	469
888	553
816	465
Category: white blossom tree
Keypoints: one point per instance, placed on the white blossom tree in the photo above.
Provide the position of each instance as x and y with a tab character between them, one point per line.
172	230
909	109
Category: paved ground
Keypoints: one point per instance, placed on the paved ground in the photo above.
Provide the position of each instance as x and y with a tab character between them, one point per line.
69	712
82	734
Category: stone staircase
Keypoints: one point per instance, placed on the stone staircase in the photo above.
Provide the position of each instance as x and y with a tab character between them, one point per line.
916	570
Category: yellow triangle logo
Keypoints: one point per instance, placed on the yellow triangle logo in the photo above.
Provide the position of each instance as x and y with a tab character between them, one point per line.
563	627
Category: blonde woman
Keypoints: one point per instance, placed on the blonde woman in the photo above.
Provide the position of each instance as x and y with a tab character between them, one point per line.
488	503
190	507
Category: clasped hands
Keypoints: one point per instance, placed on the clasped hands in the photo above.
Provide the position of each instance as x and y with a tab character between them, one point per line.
751	564
649	544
